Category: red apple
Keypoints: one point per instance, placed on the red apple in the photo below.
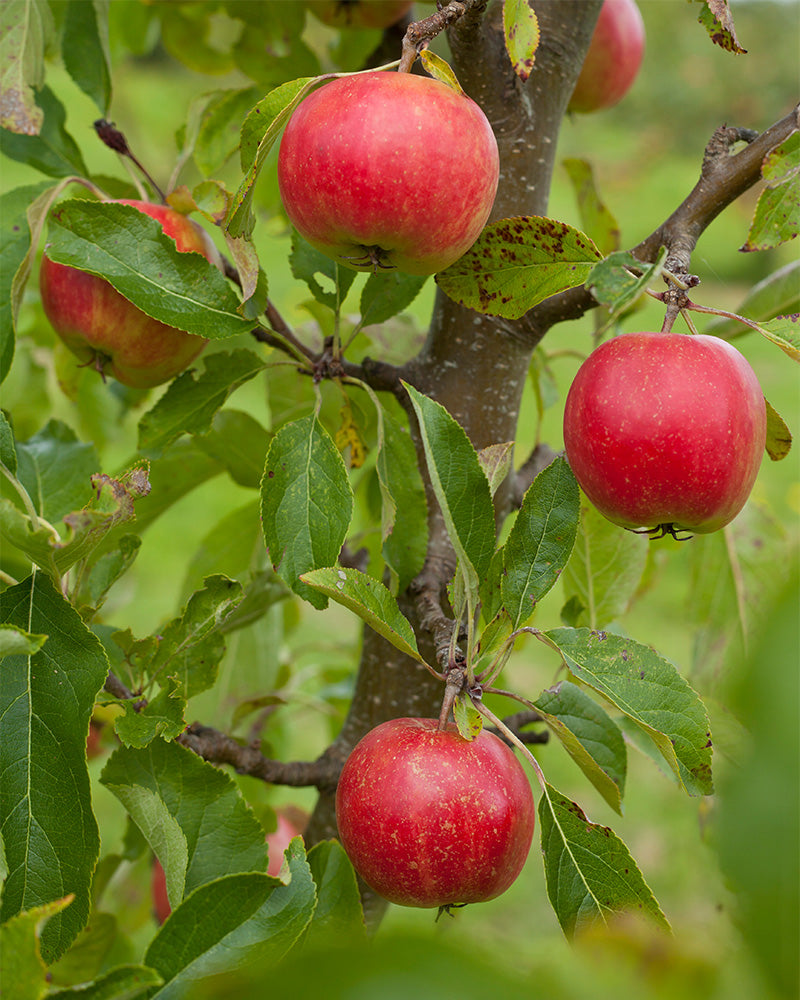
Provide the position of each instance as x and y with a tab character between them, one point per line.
388	170
105	330
291	822
613	58
359	13
666	431
158	888
430	819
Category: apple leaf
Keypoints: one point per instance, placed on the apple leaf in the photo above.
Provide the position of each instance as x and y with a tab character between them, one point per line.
540	540
84	49
516	263
258	134
596	219
24	972
191	400
779	437
125	982
785	332
521	31
388	293
716	18
370	600
163	716
589	735
131	251
648	689
52	150
16	257
307	262
16	641
777	214
440	70
591	876
239	443
613	284
56	468
24	31
778	294
468	719
232	923
338	915
306	503
8	450
496	460
605	569
404	509
460	485
218	130
51	840
190	812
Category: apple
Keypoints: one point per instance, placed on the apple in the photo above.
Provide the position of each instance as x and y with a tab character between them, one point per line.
388	170
430	819
613	58
359	13
105	330
666	431
158	890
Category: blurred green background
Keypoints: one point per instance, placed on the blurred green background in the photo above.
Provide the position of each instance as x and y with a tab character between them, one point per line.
646	153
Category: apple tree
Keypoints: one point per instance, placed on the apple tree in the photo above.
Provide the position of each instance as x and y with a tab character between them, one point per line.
303	369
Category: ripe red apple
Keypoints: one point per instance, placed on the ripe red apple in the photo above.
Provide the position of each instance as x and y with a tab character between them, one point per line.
108	332
613	58
666	431
359	13
158	889
388	170
430	819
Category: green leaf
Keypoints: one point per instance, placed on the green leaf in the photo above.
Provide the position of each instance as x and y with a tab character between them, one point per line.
52	151
784	331
440	70
15	251
163	716
50	838
605	568
132	252
467	718
591	876
218	132
521	31
338	916
24	972
516	263
84	49
8	450
777	215
55	468
93	585
404	510
192	400
126	982
777	294
24	27
779	437
589	735
16	641
496	461
716	18
370	600
460	485
540	541
612	283
648	689
86	957
306	503
307	262
239	443
259	131
386	294
231	924
596	219
190	812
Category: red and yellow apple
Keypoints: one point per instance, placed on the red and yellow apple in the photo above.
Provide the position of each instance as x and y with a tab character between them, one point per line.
388	170
430	819
613	58
666	431
105	330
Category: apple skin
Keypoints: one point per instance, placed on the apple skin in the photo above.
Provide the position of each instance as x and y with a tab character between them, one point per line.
430	819
359	13
399	163
666	430
613	58
105	330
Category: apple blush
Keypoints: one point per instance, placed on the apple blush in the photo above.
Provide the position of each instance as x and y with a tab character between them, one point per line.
613	58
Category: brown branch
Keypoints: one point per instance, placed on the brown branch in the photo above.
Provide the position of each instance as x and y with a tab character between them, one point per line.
723	179
419	33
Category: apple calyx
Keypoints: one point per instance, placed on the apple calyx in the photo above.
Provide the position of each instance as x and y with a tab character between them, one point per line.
375	257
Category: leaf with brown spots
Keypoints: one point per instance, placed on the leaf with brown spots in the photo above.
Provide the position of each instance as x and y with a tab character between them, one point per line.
777	215
716	18
521	29
516	263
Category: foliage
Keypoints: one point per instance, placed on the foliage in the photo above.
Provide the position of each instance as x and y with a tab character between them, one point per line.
326	492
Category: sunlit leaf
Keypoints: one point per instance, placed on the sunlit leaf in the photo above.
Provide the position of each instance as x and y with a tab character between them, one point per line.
521	32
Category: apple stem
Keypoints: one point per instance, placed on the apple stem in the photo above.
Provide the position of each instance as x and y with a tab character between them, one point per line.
512	736
114	139
419	33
